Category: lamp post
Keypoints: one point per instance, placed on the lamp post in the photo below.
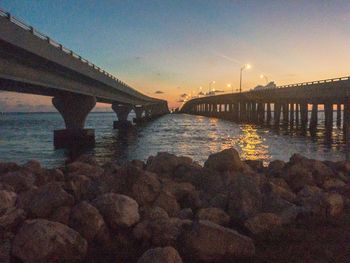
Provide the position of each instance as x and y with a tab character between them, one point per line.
246	66
262	76
211	82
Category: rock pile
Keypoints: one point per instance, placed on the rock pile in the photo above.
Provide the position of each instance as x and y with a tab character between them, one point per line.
169	209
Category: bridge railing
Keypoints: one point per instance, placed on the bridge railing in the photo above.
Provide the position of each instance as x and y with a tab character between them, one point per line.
56	44
314	82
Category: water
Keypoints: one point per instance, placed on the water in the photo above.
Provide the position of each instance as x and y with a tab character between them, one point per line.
25	136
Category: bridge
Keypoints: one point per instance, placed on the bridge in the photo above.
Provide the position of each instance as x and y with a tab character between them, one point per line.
33	63
285	105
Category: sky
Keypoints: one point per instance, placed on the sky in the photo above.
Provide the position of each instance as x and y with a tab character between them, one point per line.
167	48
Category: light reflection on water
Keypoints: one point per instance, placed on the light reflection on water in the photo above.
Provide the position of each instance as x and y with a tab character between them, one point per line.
29	136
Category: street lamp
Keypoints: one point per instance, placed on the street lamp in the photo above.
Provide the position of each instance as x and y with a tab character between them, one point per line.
212	82
246	66
262	76
229	86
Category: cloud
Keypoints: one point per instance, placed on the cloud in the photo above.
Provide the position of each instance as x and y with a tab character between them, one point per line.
159	92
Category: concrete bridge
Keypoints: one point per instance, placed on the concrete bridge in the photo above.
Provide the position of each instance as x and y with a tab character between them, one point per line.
285	105
31	62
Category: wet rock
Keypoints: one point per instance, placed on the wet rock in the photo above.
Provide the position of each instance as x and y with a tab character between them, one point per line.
86	220
117	210
263	222
215	215
146	188
7	199
43	201
210	242
168	202
224	161
160	255
19	180
11	219
245	198
41	240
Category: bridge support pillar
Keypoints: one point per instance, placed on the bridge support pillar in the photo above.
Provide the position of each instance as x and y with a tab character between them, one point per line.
285	109
291	115
138	112
313	120
338	115
277	114
328	110
236	112
122	111
74	108
304	116
268	113
297	115
346	122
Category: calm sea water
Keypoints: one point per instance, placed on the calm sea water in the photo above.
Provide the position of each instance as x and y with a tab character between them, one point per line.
25	136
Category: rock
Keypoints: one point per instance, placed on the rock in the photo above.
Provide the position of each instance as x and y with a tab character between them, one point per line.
160	232
7	199
224	161
80	168
6	167
245	198
33	166
146	188
88	159
61	215
53	175
215	215
86	220
188	172
210	242
78	185
334	204
154	213
275	168
298	177
333	183
160	255
256	165
19	180
282	192
165	163
186	213
311	198
44	200
41	240
117	210
263	222
168	202
5	248
11	219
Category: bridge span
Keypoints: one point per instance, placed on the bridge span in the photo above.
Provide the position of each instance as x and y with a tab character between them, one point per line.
285	105
33	63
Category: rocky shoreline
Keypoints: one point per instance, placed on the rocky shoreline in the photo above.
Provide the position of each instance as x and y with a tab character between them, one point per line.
171	209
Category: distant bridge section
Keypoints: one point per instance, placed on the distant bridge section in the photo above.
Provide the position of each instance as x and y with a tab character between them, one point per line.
291	102
31	62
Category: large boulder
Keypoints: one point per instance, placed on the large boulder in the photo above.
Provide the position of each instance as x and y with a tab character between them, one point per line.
86	220
79	186
245	198
160	255
117	210
41	240
210	242
334	204
165	163
11	219
213	214
146	188
7	199
43	201
263	222
224	161
20	180
91	171
298	176
168	202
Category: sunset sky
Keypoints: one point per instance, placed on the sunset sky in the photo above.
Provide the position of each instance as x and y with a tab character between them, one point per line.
175	47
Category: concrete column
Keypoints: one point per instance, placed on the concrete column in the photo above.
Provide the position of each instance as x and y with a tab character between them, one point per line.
313	120
277	114
297	114
236	111
303	116
74	109
346	122
328	111
291	115
122	111
138	112
285	108
268	113
338	115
